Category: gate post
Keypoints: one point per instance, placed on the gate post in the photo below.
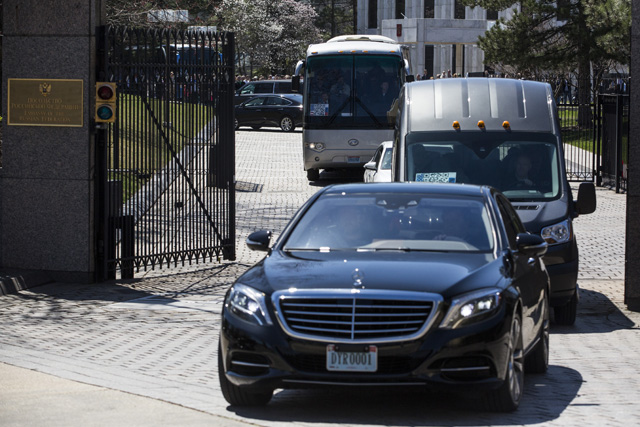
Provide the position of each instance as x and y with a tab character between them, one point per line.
632	238
47	196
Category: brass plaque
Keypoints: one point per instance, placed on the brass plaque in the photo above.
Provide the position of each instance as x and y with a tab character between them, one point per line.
45	102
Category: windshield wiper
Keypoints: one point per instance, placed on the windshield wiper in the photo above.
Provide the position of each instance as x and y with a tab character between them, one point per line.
366	110
339	110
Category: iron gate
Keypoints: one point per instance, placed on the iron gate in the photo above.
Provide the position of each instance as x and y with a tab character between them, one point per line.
166	165
615	141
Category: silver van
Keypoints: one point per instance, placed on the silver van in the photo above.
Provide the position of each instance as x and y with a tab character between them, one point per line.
504	133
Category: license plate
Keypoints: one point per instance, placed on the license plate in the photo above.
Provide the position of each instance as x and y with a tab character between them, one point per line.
365	360
353	159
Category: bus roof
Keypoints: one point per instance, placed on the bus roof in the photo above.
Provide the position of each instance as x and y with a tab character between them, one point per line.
356	44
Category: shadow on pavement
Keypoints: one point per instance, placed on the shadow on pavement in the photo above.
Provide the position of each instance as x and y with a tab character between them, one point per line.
169	284
546	397
597	314
328	177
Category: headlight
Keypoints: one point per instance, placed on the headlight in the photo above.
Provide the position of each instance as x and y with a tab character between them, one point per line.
316	146
558	233
471	307
248	304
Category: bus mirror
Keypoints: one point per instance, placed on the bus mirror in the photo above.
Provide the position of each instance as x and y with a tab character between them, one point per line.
295	83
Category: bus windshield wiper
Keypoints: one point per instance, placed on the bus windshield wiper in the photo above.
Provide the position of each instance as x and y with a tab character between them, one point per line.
364	107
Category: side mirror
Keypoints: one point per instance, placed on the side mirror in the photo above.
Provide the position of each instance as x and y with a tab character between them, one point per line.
295	84
531	244
586	202
259	240
371	165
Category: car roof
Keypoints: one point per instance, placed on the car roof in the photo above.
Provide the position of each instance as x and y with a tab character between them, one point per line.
292	96
387	144
463	190
268	81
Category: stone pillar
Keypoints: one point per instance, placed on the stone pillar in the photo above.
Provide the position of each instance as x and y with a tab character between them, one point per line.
632	266
46	179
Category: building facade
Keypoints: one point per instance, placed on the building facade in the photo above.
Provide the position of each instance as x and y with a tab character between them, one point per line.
442	34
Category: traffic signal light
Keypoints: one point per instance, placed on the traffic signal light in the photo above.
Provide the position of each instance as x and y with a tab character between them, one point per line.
105	102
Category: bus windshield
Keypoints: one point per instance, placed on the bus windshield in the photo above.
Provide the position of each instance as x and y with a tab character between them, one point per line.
524	166
351	90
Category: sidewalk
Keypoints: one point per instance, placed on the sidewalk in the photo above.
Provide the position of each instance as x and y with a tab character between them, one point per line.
123	349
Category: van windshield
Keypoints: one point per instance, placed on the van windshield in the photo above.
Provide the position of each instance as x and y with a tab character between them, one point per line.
524	166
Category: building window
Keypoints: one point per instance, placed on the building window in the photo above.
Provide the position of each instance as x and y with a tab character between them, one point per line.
429	9
428	61
400	9
454	57
373	14
459	9
492	15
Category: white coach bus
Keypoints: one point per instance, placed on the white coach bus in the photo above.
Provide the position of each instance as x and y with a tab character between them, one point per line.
349	84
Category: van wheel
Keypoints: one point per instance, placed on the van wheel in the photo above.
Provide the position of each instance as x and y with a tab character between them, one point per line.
566	314
313	174
286	124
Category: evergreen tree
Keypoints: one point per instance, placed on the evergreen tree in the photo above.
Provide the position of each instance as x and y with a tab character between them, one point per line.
545	37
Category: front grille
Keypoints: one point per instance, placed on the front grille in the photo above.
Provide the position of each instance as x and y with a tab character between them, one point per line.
526	207
355	316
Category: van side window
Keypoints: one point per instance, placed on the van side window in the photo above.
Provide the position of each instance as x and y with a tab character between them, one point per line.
283	87
264	88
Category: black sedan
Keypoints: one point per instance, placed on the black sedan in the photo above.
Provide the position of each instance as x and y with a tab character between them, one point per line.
284	111
391	284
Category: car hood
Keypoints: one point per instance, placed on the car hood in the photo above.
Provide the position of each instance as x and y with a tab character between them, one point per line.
447	274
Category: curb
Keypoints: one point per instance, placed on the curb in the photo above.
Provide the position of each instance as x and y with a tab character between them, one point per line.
13	281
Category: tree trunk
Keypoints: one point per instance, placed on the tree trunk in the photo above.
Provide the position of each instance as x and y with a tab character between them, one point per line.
585	113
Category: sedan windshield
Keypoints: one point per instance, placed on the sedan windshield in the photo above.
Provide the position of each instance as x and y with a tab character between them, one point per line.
393	222
523	166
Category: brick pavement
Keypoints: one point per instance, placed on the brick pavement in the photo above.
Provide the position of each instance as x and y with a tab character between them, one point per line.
156	335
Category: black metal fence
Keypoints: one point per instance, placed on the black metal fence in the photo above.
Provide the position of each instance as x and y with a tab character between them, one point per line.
614	141
166	165
595	133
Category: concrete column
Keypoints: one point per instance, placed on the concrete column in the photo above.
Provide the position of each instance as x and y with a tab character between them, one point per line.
46	179
632	266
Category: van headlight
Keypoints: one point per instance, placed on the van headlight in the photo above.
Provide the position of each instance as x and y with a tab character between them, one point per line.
248	304
557	233
471	307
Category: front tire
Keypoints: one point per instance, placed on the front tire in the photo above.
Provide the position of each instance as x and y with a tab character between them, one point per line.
566	314
240	396
313	174
507	397
286	124
537	362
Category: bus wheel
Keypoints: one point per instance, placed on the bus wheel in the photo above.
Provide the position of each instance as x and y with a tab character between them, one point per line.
313	174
